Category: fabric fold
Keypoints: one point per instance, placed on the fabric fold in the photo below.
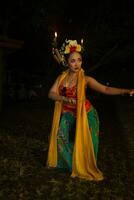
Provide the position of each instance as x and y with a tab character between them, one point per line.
84	163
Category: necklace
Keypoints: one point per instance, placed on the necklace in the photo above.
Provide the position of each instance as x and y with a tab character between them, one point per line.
71	80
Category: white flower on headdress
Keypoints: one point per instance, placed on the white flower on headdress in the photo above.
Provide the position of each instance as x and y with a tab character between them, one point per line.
72	43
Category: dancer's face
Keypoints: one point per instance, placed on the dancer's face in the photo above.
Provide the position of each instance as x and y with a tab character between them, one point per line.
75	61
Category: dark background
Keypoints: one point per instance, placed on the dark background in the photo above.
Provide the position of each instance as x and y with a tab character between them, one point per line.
106	26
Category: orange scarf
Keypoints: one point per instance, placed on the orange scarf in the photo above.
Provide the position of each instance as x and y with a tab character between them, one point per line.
84	163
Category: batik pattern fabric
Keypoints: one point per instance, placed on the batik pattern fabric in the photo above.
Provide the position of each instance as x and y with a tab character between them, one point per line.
67	127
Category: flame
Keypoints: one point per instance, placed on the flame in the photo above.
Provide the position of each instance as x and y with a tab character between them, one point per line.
55	34
81	41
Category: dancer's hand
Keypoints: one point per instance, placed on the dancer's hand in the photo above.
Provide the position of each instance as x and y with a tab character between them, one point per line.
69	100
72	101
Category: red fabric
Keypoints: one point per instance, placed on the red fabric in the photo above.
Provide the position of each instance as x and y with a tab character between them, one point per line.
71	92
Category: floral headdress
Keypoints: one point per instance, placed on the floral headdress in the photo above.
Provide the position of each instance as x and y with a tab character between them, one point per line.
67	47
70	46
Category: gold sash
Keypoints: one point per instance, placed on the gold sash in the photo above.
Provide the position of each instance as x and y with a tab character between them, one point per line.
84	163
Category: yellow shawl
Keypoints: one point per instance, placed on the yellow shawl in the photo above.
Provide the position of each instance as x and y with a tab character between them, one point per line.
84	163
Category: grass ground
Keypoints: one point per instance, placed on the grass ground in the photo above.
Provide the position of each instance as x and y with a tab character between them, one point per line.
24	129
